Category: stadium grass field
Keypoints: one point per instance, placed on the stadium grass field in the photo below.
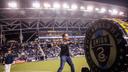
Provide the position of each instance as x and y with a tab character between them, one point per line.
50	65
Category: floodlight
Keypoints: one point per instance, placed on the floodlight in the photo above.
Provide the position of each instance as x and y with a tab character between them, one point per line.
109	11
97	9
65	6
47	5
74	6
90	8
56	5
121	13
82	8
114	12
36	5
12	4
103	10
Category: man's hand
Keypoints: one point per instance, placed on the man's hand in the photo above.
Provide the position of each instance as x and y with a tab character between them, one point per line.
3	62
72	56
13	62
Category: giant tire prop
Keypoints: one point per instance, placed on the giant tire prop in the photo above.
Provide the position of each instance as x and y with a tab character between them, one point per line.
105	46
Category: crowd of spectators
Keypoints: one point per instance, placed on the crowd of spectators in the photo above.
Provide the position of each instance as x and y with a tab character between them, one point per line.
39	50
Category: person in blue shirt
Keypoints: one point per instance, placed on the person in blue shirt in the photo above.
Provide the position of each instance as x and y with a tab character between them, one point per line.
8	60
65	54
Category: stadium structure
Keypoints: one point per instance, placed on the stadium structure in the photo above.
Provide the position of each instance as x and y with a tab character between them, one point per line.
26	19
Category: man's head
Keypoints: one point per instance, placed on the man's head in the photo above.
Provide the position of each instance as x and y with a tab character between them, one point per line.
9	51
65	36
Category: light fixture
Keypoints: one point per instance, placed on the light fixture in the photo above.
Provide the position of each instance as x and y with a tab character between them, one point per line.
12	4
65	6
74	6
103	10
82	8
56	5
97	9
47	5
36	5
121	13
109	11
114	12
90	8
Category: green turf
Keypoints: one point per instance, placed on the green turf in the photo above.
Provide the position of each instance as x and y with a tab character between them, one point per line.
47	66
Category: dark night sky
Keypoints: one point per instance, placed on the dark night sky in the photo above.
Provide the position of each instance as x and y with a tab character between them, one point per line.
116	2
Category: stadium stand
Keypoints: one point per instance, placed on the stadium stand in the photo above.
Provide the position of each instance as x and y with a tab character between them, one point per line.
30	51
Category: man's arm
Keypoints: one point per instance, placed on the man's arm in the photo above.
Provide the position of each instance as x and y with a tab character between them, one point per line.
13	59
59	46
4	59
3	62
70	52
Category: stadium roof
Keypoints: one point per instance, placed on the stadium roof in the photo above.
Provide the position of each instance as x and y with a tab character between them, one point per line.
115	2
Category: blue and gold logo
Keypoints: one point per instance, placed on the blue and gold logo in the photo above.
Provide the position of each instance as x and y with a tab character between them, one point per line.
105	46
103	49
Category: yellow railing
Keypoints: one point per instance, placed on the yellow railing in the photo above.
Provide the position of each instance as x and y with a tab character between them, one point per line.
123	24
